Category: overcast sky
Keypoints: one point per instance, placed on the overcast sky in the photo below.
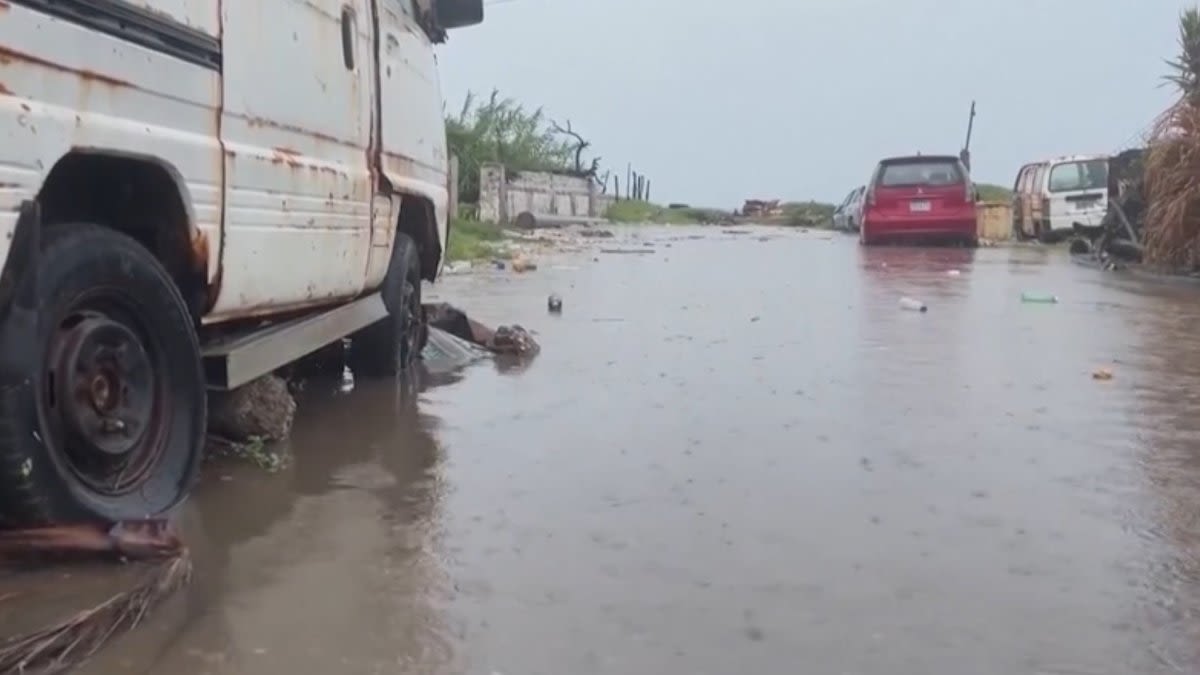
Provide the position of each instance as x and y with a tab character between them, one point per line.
717	101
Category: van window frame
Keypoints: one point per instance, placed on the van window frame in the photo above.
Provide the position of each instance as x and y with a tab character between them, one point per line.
1081	163
961	178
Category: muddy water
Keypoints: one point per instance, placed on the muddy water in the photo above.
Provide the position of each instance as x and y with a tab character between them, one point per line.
733	455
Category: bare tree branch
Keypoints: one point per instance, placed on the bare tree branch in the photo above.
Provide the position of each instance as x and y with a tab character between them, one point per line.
581	144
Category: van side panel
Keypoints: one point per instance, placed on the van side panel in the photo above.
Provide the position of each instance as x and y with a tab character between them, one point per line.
296	125
414	159
74	79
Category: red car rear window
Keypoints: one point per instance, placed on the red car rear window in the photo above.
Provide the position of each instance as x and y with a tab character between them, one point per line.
931	173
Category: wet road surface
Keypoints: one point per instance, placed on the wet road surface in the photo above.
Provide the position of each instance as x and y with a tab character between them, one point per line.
732	455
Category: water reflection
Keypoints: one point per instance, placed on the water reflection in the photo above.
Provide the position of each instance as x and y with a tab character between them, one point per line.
1164	370
331	565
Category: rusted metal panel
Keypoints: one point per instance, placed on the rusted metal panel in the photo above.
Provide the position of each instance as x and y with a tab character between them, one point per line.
415	159
65	86
297	127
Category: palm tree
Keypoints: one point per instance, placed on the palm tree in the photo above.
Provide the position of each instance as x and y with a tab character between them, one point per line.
1173	160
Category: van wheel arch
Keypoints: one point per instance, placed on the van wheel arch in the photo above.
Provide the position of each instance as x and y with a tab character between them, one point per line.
140	196
418	219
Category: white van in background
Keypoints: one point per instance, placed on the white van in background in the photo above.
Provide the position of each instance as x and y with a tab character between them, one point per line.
1049	197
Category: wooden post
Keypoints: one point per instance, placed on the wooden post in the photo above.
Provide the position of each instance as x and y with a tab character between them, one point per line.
617	187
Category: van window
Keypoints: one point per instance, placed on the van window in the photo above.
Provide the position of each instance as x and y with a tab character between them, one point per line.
931	172
1083	175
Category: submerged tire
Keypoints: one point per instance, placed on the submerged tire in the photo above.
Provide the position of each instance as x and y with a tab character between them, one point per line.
116	426
392	345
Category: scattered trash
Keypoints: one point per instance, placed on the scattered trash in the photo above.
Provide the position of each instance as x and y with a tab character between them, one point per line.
596	234
522	264
444	352
554	303
503	340
1103	374
498	264
755	319
954	273
458	267
913	305
513	340
1034	297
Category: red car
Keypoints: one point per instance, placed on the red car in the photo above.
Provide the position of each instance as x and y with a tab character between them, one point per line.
920	198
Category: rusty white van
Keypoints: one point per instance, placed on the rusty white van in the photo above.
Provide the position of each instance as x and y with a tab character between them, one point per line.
194	193
1050	196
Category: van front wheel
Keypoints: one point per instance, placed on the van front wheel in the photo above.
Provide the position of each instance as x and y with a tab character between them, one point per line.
115	427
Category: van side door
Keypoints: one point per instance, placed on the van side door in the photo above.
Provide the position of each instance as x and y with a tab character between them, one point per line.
414	158
299	83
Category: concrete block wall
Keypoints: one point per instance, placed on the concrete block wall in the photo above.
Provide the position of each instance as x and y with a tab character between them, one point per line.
503	194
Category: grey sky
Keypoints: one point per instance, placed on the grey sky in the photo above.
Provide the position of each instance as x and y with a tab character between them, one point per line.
718	101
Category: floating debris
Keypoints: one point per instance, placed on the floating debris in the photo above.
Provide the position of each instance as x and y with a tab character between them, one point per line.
1039	298
554	303
913	305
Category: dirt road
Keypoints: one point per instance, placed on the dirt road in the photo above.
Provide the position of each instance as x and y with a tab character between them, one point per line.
733	455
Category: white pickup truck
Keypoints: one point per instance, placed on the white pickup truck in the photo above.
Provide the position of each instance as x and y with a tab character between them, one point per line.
194	193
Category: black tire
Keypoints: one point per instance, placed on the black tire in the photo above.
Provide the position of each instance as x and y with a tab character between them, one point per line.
1045	234
394	344
114	331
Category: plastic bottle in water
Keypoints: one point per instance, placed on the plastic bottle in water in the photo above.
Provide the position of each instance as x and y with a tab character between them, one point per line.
1035	297
913	305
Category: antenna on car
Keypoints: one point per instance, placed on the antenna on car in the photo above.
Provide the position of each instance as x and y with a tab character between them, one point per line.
965	155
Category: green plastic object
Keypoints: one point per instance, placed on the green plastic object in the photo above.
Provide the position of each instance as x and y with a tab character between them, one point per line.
1034	297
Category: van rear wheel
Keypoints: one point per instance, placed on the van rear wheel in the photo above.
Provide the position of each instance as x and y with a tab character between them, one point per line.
115	428
393	345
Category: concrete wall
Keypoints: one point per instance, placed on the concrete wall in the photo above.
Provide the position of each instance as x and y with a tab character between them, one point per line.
503	195
995	220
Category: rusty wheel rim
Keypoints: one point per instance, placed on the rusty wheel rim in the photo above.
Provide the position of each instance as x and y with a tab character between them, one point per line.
105	399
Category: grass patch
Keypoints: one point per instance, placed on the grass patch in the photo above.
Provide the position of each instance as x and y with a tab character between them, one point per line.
254	451
811	214
632	211
473	240
993	193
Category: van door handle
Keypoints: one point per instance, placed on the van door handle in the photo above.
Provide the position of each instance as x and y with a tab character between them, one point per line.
348	37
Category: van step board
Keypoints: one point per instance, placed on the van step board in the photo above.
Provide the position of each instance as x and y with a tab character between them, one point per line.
238	359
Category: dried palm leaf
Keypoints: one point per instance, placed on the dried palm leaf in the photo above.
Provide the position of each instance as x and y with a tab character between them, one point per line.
68	644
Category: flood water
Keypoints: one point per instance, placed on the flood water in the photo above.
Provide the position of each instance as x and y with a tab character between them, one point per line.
733	455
